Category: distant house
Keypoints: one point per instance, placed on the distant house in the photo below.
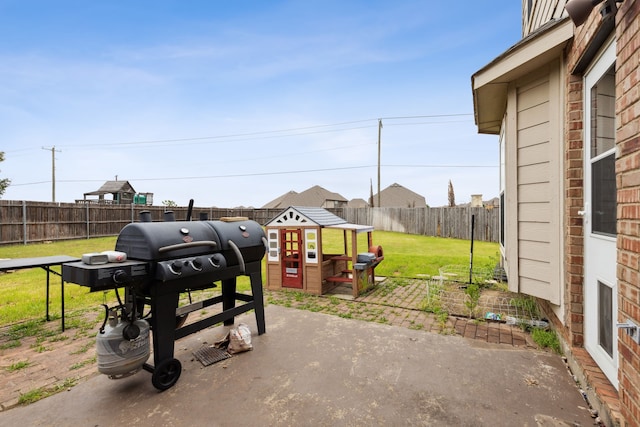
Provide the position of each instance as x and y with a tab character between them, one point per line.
120	192
315	196
397	196
492	203
477	202
281	201
357	203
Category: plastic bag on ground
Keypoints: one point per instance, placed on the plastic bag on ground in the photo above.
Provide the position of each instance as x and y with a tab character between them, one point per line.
239	339
235	340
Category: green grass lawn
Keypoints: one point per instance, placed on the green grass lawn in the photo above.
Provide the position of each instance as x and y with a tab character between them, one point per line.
22	293
407	255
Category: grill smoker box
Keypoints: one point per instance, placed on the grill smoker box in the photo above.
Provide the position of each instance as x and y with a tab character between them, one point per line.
165	259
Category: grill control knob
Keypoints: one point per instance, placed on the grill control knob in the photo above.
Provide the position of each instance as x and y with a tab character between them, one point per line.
217	261
119	277
176	267
196	264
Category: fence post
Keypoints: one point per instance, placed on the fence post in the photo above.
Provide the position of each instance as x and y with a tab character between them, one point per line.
24	221
88	223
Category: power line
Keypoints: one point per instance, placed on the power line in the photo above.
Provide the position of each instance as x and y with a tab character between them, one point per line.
271	133
425	117
237	135
245	175
34	183
429	123
230	140
441	166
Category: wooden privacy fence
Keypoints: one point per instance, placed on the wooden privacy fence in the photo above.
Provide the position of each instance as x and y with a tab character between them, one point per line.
29	221
438	222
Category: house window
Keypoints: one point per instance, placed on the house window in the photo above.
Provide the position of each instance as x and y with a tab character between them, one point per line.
603	196
273	245
602	144
311	246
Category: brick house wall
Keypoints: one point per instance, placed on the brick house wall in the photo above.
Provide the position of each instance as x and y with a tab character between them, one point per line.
574	201
628	195
627	27
628	198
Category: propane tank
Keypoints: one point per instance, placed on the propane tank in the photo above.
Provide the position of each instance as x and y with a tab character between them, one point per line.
122	346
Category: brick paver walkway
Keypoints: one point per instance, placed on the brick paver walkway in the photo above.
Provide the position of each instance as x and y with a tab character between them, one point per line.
401	305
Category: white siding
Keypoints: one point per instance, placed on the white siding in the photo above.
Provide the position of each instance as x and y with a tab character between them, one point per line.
521	96
542	11
534	184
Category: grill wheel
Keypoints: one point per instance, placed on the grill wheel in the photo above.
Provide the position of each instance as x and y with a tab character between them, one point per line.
166	374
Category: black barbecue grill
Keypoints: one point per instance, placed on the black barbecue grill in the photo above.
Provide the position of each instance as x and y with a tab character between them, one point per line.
165	259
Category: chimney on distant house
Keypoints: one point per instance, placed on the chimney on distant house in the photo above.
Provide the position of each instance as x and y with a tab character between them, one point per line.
476	201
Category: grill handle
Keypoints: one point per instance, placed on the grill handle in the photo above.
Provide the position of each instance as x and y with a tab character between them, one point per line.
186	245
189	210
238	255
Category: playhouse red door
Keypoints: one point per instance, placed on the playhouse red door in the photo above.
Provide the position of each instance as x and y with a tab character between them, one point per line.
291	258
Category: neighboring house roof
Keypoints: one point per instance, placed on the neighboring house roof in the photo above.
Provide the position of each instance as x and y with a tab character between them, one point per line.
357	203
281	200
318	196
397	196
314	196
112	187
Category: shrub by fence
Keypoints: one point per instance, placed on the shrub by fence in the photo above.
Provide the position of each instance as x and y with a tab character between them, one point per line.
29	221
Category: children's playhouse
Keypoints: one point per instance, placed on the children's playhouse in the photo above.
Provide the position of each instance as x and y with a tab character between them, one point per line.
296	258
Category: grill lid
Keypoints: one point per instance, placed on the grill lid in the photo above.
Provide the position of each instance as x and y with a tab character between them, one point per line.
155	241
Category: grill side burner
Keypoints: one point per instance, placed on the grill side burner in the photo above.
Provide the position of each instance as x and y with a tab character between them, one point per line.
168	258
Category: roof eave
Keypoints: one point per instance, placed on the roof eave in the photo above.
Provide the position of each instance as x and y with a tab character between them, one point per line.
490	84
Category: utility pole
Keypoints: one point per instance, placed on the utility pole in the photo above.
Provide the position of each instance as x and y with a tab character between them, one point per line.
379	135
53	171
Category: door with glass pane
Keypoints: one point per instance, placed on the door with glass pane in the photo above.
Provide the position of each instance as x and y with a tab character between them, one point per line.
291	257
599	216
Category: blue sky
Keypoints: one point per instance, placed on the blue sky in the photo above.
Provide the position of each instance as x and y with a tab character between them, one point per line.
236	103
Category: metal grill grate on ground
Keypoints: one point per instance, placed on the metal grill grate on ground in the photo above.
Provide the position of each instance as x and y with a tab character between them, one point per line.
210	355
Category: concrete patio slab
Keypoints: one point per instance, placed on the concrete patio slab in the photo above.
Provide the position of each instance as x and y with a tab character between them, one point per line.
322	370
